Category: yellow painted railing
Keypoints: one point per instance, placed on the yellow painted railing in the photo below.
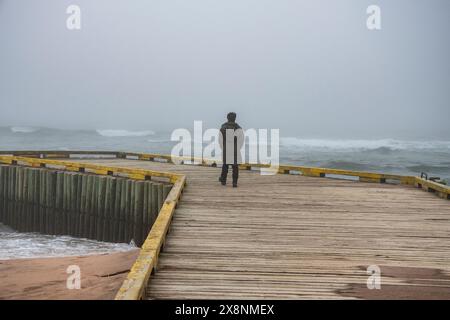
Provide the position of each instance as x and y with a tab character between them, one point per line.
431	186
440	190
137	174
134	285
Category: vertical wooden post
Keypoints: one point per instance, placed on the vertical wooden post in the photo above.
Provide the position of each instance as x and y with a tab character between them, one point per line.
138	212
76	202
59	203
160	189
109	206
116	218
43	182
94	208
130	215
83	206
87	219
154	202
146	210
101	187
51	200
19	199
36	193
122	211
27	201
14	203
64	203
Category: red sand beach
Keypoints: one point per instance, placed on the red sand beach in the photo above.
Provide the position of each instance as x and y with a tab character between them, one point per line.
45	278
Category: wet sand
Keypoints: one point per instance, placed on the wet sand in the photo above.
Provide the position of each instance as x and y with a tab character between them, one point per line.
46	278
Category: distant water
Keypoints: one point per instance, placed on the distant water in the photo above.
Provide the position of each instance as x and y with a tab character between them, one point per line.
16	245
382	155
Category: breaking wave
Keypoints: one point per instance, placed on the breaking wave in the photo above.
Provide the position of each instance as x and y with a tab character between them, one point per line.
429	168
382	145
125	133
15	245
23	129
349	165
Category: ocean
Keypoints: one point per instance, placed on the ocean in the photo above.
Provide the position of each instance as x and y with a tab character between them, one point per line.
19	245
409	157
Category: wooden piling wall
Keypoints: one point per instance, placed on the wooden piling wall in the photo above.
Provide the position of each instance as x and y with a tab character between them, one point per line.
104	208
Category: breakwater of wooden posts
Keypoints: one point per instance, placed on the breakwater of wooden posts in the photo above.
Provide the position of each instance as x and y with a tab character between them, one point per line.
104	208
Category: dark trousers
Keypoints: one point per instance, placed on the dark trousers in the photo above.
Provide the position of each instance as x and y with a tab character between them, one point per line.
225	172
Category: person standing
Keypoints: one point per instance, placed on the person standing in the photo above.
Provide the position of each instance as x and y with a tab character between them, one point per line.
231	140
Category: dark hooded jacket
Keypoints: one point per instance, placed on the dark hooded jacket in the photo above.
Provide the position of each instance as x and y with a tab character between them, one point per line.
236	144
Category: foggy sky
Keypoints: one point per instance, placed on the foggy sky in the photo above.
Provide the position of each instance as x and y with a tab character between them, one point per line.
308	67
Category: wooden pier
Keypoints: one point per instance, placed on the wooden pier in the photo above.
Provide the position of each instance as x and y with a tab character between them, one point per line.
286	236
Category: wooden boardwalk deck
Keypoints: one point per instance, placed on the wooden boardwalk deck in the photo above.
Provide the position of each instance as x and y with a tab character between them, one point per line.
289	236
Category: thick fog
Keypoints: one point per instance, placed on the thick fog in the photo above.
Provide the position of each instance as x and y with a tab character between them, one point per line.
308	67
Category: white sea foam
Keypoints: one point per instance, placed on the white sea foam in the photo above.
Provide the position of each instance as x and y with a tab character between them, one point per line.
15	245
348	145
160	140
23	129
125	133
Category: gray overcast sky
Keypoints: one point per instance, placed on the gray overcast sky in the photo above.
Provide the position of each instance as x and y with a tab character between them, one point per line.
308	67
